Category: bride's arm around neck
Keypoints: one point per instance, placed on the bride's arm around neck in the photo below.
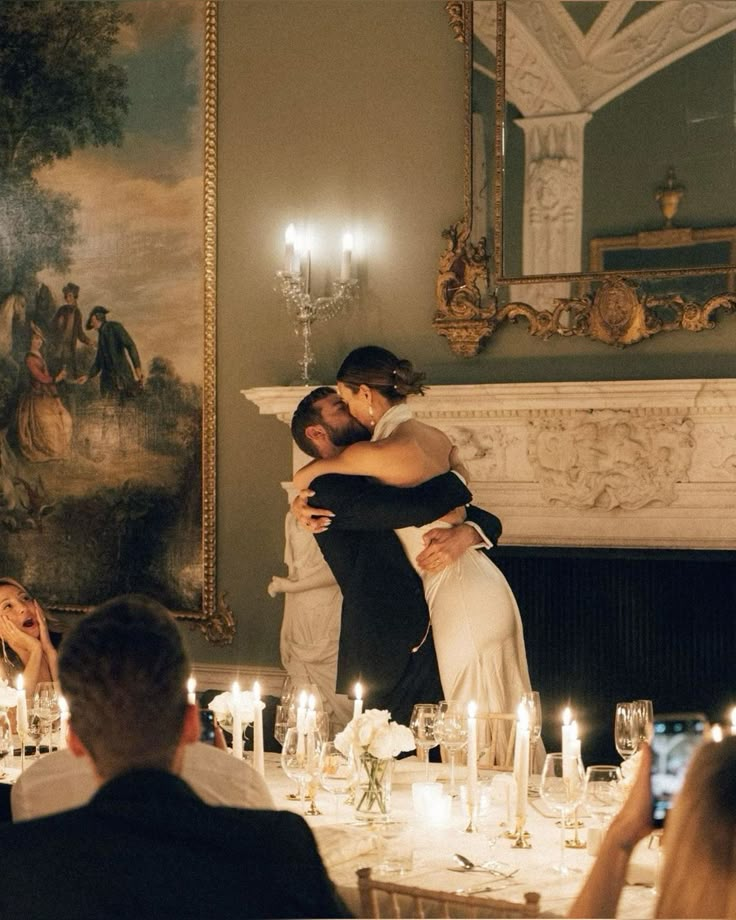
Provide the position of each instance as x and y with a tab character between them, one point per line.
398	460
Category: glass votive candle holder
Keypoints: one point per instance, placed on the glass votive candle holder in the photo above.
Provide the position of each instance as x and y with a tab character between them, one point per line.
440	811
423	796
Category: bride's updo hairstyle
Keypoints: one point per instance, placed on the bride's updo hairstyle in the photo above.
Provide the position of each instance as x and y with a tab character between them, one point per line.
394	378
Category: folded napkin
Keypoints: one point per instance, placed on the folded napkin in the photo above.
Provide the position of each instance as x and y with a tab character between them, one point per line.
341	844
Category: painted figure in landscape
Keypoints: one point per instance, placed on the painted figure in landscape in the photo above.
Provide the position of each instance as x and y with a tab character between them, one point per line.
101	189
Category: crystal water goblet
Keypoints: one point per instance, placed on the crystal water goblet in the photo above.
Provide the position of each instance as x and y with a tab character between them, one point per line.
644	720
422	725
603	792
562	788
300	759
336	772
451	730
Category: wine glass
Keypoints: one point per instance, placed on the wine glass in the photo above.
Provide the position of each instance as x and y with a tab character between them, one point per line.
626	729
46	705
300	758
336	772
603	792
6	738
451	730
533	703
422	724
562	788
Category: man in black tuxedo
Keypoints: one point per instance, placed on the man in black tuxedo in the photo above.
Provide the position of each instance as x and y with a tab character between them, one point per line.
385	636
146	846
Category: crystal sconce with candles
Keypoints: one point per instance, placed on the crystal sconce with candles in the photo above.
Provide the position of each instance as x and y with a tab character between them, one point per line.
294	285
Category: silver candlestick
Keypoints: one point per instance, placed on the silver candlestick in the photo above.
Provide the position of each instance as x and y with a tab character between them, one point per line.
306	310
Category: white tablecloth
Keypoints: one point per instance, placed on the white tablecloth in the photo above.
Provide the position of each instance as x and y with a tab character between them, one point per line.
346	846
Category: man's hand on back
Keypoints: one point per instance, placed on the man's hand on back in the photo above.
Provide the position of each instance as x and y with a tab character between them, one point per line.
443	545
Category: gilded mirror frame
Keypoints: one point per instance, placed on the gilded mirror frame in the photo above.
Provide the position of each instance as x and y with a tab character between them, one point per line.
608	306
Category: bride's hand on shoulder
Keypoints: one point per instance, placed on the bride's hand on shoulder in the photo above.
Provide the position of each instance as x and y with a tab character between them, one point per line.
315	520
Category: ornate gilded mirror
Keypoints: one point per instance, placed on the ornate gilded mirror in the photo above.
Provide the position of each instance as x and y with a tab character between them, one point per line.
600	170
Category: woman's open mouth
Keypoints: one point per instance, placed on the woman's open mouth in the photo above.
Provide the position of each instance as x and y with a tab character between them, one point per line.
29	622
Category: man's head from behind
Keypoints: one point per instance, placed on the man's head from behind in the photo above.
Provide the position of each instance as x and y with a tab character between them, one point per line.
322	424
123	671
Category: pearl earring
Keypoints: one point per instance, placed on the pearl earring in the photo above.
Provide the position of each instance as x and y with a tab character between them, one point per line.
370	413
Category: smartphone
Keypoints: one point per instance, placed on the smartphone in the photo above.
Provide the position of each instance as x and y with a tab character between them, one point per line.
207	726
676	737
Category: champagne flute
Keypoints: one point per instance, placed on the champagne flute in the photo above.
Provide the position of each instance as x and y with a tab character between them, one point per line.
34	732
336	772
644	720
6	738
422	725
625	730
451	730
562	788
46	704
533	703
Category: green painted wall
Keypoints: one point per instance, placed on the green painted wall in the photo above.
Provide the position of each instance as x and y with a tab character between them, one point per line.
350	112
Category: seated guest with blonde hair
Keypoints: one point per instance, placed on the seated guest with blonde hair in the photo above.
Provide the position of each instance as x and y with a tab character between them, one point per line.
24	631
698	878
146	845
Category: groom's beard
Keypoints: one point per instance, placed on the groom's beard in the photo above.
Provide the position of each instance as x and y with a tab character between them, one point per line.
349	434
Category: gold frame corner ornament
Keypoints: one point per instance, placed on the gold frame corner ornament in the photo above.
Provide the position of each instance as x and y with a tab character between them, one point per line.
614	311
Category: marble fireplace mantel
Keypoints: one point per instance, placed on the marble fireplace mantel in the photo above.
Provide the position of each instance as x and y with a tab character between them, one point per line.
601	464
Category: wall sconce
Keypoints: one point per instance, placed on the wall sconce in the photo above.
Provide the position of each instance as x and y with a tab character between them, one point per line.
294	284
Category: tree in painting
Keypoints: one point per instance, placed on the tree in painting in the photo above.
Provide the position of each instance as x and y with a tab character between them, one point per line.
100	482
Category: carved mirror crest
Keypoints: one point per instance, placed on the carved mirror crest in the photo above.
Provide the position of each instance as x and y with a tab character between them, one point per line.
600	170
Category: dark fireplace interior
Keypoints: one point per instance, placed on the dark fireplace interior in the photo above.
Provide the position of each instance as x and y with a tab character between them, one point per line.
603	625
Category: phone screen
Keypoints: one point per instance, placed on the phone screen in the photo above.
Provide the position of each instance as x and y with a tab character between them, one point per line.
207	726
675	739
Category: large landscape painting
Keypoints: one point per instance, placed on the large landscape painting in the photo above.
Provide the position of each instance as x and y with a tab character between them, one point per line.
102	266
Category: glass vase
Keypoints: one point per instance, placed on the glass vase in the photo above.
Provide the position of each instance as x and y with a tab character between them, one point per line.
373	788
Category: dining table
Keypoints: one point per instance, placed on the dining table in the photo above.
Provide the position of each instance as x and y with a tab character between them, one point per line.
421	852
426	849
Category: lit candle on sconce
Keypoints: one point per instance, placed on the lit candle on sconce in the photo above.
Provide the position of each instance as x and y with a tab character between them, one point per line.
191	687
289	240
347	256
358	701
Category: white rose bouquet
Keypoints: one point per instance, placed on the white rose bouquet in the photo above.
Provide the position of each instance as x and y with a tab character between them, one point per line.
222	706
374	740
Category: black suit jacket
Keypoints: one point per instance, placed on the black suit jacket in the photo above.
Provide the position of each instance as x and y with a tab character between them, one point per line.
384	612
147	847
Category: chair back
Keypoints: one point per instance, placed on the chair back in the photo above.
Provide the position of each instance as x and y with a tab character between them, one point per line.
496	736
380	898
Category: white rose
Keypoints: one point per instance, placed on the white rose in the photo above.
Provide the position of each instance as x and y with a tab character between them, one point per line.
401	738
382	746
344	740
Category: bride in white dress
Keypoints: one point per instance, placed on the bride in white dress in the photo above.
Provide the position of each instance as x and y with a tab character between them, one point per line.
478	633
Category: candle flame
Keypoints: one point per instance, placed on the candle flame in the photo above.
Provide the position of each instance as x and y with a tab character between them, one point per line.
472	709
235	689
256	691
63	706
312	701
522	714
303	699
566	716
191	685
347	242
358	691
733	717
716	733
290	235
19	682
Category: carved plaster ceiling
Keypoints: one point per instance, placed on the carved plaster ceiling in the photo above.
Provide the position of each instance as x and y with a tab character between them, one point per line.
577	55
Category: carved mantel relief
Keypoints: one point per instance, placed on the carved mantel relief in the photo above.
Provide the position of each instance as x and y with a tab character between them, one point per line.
609	464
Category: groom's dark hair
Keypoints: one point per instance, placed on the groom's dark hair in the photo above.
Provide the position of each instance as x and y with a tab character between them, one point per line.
308	413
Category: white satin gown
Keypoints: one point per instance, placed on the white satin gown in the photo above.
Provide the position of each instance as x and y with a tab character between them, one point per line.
477	628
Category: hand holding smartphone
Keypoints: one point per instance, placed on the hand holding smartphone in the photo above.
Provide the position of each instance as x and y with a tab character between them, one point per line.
676	737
